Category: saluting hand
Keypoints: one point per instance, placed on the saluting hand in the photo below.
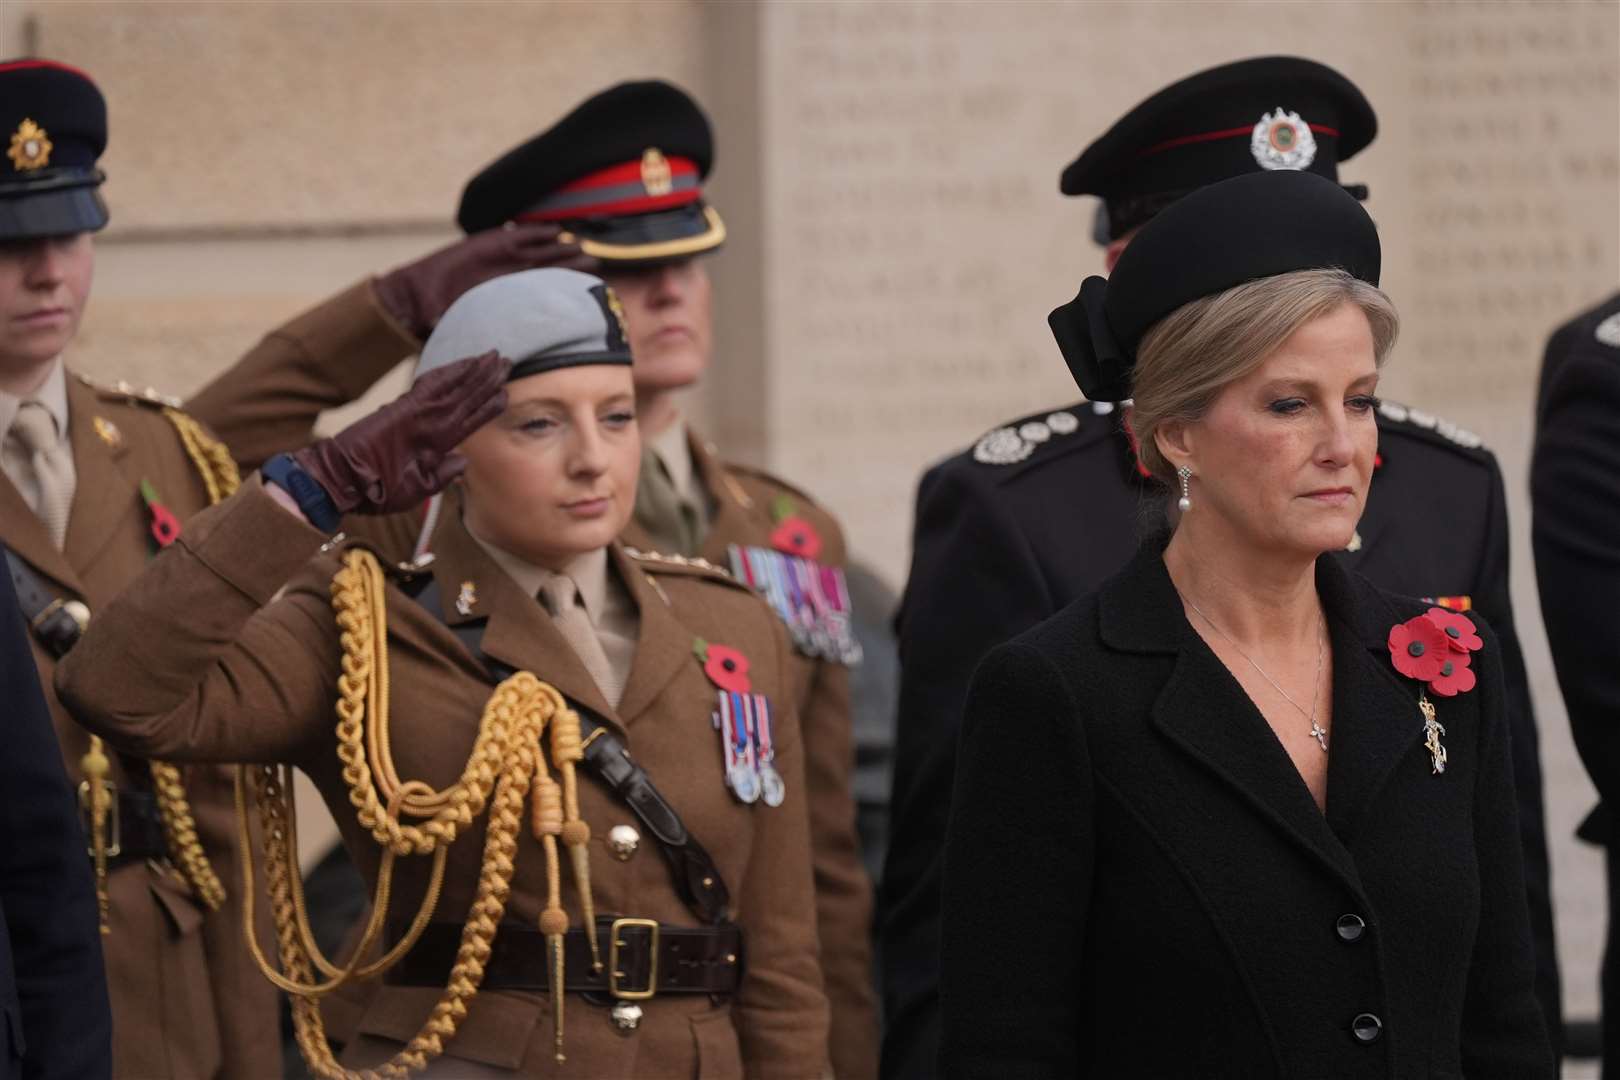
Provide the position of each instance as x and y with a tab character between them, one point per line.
418	293
405	451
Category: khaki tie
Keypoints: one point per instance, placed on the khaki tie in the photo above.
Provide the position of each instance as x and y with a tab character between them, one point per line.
568	614
668	516
52	463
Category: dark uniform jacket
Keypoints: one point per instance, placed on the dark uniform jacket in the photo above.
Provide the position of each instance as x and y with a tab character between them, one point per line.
241	675
1035	516
1139	884
54	1019
187	1000
331	354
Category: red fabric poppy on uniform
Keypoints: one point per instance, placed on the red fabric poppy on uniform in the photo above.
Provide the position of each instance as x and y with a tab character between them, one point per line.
1455	675
1460	629
796	536
728	669
1418	647
165	526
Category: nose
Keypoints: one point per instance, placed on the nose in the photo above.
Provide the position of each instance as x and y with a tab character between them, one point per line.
587	451
1337	448
668	286
44	264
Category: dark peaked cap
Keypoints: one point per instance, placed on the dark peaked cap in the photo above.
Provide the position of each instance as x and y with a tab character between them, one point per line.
53	128
624	170
1239	230
1201	130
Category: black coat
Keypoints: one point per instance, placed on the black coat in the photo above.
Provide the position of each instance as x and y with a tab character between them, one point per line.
999	547
1138	883
53	993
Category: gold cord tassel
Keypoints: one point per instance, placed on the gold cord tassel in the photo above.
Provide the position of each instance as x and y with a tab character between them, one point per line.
96	793
504	765
576	833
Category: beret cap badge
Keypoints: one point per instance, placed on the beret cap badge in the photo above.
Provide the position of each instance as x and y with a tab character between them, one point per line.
30	147
656	175
1281	140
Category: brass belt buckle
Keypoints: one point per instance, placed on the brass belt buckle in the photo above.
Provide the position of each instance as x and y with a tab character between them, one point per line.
115	831
614	974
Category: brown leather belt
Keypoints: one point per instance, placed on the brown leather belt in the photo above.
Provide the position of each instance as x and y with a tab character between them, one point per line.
640	959
134	828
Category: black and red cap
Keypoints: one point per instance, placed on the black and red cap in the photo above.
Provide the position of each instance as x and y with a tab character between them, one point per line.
623	171
1270	113
53	127
1249	227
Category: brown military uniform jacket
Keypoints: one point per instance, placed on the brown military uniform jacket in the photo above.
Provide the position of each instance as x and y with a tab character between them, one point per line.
329	355
187	1000
241	675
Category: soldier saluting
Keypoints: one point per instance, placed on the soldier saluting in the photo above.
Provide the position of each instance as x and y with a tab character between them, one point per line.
95	480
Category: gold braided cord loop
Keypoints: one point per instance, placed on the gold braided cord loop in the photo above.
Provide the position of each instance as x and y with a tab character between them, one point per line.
503	767
96	795
221	479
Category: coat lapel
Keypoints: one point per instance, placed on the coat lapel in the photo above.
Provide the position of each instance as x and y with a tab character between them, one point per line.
663	645
1376	721
106	490
517	630
1205	712
23	532
731	505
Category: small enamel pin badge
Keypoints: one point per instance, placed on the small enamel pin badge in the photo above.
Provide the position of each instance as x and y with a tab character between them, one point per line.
467	598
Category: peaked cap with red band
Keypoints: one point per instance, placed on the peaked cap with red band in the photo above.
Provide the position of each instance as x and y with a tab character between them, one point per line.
1271	113
53	128
624	171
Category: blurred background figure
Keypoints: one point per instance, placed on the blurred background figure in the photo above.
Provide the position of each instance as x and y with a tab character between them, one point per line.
53	992
1575	490
1044	509
94	481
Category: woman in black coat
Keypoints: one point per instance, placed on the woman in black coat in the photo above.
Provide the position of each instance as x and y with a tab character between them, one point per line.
1239	813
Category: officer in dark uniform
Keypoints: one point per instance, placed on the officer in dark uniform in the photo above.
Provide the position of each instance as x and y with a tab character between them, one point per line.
1575	496
1042	510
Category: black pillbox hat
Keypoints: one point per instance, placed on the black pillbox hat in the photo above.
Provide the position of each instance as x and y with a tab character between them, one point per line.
53	124
1221	236
623	171
1270	113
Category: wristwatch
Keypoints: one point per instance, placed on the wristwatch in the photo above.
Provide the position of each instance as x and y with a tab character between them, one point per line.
285	472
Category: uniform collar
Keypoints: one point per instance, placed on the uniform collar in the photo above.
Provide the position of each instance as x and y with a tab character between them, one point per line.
52	394
589	573
671	447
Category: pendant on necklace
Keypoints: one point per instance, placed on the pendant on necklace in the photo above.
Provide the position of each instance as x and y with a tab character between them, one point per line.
1432	730
1320	734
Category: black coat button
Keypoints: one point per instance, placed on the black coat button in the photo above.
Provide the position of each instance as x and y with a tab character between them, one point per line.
1366	1028
1351	927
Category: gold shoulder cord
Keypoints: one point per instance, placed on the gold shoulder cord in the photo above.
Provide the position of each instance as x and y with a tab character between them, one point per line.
220	479
505	764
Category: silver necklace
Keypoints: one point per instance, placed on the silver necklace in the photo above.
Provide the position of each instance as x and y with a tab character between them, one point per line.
1318	732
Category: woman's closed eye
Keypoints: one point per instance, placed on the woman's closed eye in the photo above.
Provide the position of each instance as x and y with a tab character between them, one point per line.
1286	406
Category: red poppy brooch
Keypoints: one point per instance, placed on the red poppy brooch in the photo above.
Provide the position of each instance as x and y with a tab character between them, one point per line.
1435	648
164	525
793	534
743	719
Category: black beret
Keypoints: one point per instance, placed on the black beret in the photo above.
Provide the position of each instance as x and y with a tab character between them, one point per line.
624	171
1268	113
55	123
1239	230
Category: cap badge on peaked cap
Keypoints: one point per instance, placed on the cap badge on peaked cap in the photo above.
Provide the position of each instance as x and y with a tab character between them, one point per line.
30	147
656	175
1282	140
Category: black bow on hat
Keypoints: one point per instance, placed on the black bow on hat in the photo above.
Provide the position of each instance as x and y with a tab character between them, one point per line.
1250	227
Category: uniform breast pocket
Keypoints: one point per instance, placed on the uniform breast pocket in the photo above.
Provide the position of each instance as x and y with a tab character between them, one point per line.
719	1055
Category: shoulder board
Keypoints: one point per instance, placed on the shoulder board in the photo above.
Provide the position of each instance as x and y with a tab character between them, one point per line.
690	566
1039	433
1423	423
136	395
771	479
1607	331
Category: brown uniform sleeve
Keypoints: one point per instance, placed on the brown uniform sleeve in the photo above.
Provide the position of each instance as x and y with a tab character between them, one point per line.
193	662
269	400
781	1011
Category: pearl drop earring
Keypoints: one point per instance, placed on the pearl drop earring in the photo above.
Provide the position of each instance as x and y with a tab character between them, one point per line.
1184	504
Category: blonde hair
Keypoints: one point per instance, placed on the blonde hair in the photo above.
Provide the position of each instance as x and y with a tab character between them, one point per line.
1196	351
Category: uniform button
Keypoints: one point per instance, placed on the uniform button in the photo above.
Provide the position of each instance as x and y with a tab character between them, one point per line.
1366	1028
622	840
1351	927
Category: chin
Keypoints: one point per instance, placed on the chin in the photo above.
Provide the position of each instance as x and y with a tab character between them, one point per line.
674	372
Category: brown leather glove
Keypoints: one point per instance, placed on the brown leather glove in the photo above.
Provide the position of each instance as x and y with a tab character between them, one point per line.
404	452
418	293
